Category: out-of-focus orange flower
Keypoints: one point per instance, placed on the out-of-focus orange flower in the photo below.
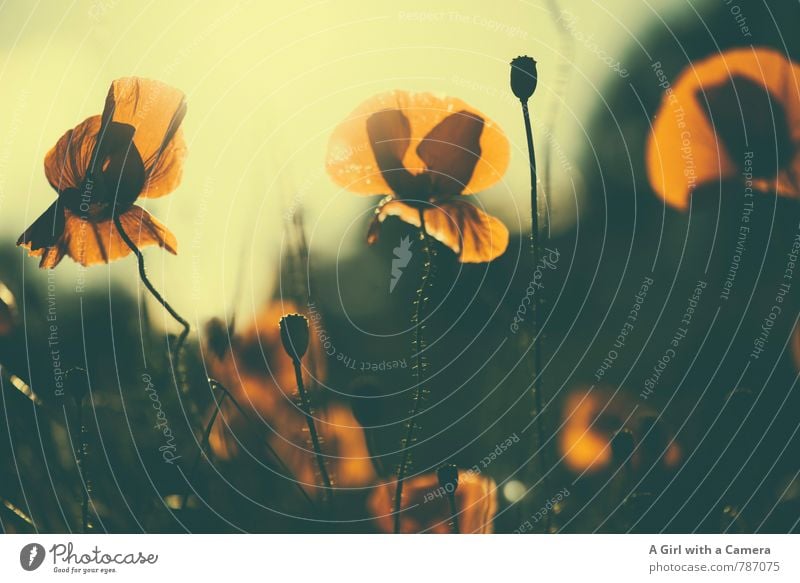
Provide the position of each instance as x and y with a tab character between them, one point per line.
732	114
425	506
257	372
591	419
424	152
99	168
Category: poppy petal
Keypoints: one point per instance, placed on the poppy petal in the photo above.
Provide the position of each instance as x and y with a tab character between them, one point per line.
155	110
389	134
697	136
451	151
44	232
90	243
474	235
352	164
65	165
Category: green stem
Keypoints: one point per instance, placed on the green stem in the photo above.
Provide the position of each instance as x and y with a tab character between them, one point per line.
312	429
154	292
419	371
535	323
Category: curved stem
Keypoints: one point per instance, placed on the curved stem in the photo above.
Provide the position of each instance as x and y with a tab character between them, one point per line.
203	447
419	371
535	323
312	429
143	276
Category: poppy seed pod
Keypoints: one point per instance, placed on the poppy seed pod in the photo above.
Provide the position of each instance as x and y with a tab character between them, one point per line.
523	77
294	335
448	477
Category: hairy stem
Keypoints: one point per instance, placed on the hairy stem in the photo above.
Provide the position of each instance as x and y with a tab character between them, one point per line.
153	291
535	322
312	429
453	522
418	347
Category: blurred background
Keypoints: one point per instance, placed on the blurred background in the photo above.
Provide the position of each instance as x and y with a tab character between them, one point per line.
706	441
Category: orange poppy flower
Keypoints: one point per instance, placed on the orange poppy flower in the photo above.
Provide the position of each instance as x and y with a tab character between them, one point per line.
99	168
731	114
591	419
425	505
424	152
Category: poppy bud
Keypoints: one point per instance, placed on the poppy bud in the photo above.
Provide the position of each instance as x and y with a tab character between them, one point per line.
448	477
523	77
294	335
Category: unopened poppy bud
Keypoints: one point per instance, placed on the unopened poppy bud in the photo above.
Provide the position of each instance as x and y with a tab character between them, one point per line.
294	335
523	77
448	477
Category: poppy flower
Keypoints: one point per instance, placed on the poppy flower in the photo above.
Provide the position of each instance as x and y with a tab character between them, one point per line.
424	152
426	507
735	113
592	419
135	149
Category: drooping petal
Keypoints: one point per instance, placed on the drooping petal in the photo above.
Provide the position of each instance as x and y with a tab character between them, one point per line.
65	165
451	150
475	236
155	111
351	161
43	234
719	111
90	243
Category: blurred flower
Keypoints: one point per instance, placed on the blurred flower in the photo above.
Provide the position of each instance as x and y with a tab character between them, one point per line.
733	116
424	152
257	372
102	166
260	375
524	77
426	508
594	425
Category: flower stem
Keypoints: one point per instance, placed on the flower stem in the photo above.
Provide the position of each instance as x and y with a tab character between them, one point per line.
535	322
420	364
453	522
83	472
312	429
143	276
203	447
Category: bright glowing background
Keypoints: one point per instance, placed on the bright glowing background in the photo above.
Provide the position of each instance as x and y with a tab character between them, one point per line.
266	83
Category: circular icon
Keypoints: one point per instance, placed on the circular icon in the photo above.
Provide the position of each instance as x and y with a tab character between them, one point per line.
31	556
